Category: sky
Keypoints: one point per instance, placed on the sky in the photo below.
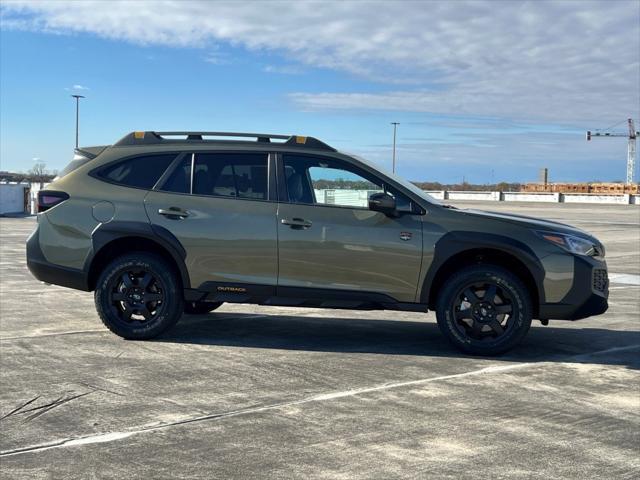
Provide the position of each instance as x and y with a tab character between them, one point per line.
484	91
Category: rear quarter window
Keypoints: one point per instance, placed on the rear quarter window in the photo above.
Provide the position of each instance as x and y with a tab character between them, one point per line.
179	181
139	172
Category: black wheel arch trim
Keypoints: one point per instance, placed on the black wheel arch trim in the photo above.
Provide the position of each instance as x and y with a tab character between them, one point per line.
108	232
457	242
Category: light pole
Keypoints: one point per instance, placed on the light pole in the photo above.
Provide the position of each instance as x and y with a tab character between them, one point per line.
395	126
77	97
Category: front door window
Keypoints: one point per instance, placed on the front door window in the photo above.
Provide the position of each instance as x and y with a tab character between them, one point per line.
319	181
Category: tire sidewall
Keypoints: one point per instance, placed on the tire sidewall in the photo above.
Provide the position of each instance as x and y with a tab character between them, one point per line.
169	314
502	278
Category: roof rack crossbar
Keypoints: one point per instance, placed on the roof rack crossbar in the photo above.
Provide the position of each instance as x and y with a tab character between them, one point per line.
222	134
148	138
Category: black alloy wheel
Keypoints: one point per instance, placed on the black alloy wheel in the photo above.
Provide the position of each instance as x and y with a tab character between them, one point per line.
138	296
484	310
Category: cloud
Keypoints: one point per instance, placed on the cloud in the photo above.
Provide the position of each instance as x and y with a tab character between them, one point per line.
284	69
76	87
558	61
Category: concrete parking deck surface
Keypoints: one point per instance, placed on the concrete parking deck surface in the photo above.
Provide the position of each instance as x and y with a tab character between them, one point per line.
255	392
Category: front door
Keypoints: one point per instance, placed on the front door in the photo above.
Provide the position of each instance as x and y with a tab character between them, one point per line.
218	207
329	239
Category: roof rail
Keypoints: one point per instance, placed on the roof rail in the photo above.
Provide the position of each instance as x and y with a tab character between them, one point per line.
156	138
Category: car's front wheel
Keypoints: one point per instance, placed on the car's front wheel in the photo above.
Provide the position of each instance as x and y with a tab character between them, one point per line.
138	296
484	310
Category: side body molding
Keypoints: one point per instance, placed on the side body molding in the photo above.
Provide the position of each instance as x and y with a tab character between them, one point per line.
107	232
457	242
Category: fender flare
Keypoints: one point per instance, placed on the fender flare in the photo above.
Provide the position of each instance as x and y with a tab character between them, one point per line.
105	233
456	242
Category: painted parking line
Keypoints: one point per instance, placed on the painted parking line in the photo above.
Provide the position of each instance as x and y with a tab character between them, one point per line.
624	278
330	396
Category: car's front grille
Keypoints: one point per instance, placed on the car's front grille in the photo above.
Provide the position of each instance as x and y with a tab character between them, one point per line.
600	279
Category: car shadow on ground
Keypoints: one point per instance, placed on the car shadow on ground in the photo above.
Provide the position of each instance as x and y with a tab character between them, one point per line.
391	337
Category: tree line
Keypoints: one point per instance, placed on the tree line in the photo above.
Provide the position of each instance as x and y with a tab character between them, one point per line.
36	174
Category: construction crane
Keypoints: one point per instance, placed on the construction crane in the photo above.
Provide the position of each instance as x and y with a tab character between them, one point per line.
631	151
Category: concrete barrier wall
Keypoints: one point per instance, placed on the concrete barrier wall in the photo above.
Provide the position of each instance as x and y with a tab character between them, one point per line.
544	197
530	197
345	197
474	196
12	197
437	194
360	197
596	198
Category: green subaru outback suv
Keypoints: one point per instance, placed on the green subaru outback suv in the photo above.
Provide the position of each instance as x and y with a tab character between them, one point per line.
162	223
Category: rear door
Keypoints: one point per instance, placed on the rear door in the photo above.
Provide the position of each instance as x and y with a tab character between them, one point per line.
219	207
329	239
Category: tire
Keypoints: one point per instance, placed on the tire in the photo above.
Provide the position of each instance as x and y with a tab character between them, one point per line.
139	296
200	308
482	326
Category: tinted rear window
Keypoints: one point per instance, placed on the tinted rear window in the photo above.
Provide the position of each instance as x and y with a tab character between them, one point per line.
231	175
140	172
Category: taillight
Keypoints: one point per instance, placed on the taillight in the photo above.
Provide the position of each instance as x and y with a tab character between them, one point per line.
49	198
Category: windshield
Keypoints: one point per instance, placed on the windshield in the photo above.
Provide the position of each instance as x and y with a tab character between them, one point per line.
405	183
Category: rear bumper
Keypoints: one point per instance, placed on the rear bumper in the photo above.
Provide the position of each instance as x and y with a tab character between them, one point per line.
588	295
48	272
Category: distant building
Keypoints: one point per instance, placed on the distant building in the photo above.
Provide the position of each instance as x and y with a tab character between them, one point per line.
543	177
609	188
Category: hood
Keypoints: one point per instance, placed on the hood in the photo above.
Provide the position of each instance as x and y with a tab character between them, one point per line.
529	222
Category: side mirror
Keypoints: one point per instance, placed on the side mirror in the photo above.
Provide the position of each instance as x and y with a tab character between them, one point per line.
383	203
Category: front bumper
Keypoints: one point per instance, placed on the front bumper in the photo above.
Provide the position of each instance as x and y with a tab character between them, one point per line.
48	272
588	294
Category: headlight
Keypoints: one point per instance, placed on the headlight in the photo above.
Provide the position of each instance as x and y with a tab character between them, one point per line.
573	244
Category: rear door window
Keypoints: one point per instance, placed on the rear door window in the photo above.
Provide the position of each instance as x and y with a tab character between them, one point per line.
139	172
235	175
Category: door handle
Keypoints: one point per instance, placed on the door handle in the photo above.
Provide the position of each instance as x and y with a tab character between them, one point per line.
296	223
173	213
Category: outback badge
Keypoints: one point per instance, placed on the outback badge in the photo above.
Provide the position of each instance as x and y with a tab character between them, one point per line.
231	289
405	236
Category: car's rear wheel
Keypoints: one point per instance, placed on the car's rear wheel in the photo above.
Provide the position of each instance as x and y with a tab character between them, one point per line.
200	308
138	296
484	310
